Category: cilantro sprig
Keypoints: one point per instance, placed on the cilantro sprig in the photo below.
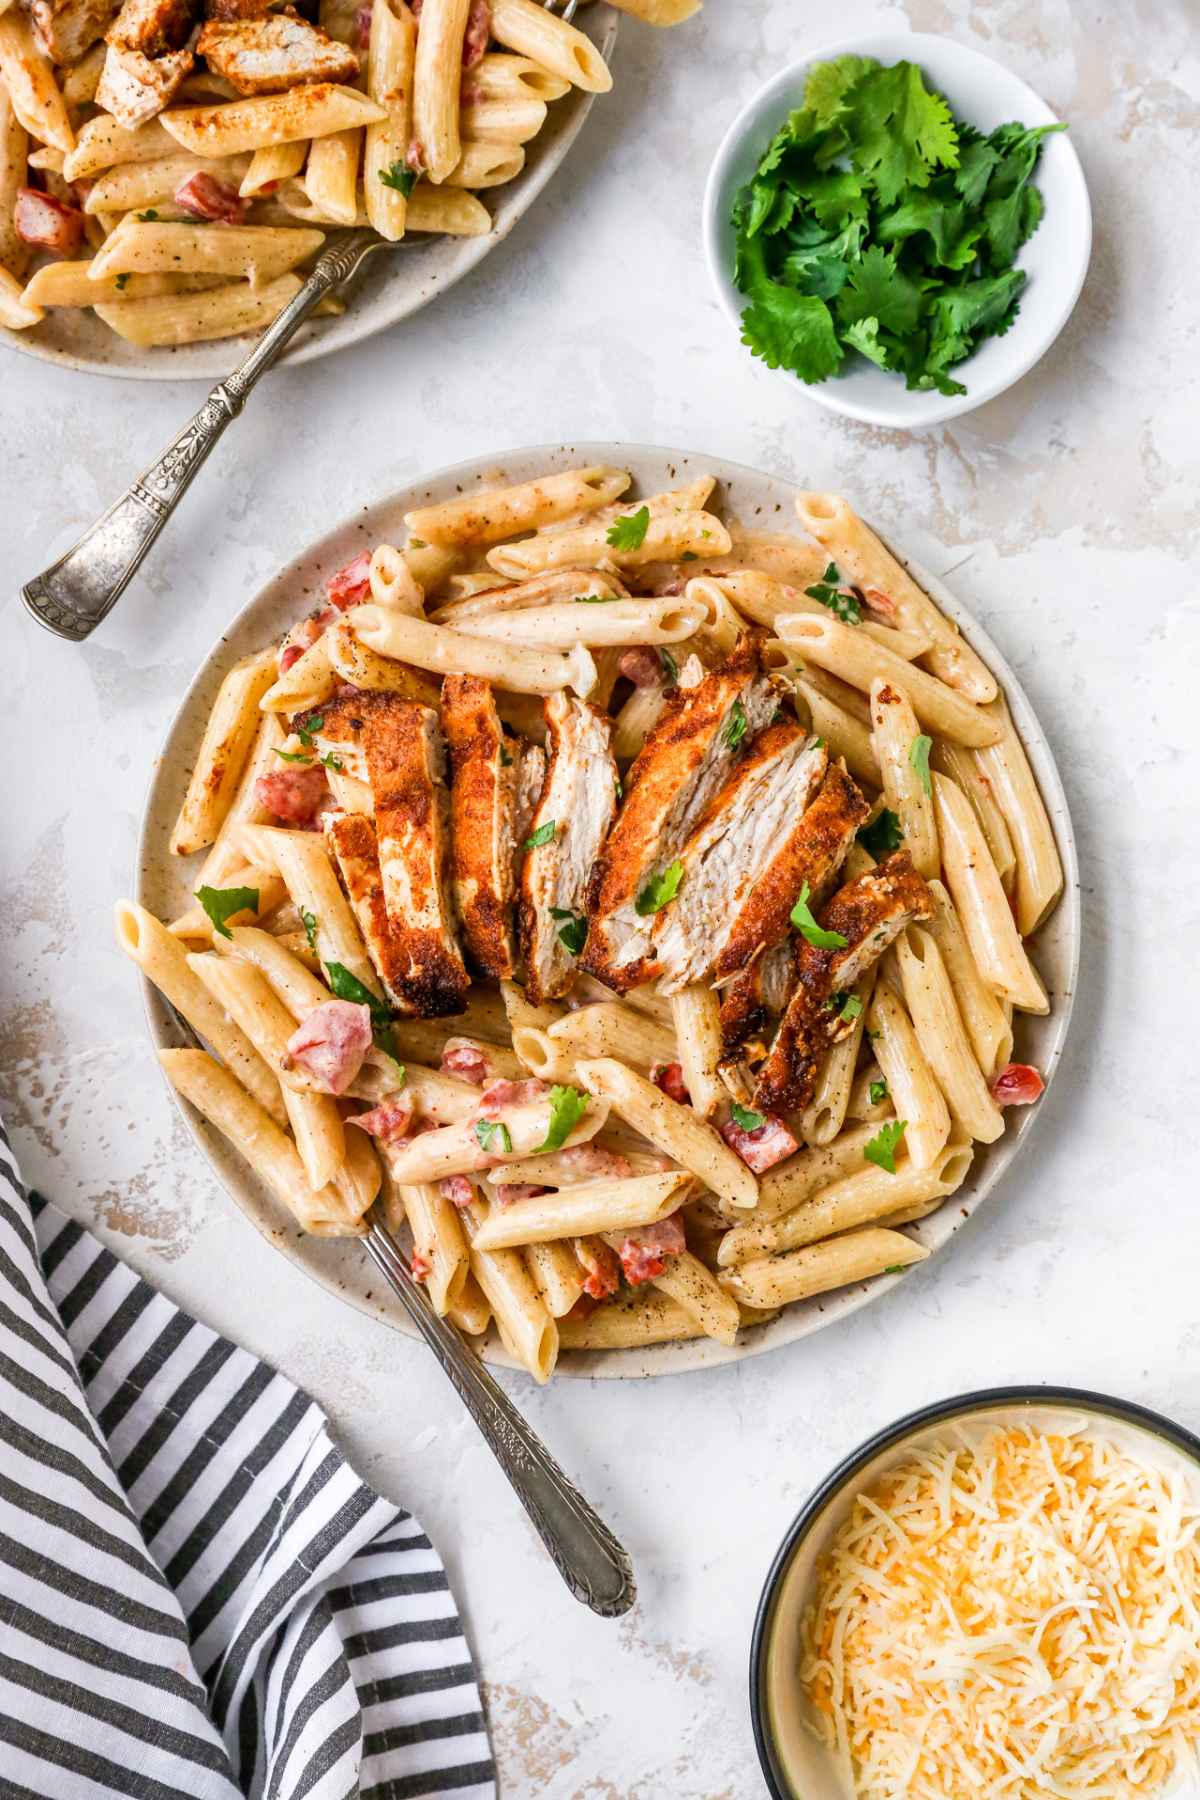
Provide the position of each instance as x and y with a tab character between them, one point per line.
573	929
737	726
883	1146
399	177
808	928
882	835
879	225
830	593
659	891
745	1119
543	835
629	531
489	1132
567	1107
223	904
918	756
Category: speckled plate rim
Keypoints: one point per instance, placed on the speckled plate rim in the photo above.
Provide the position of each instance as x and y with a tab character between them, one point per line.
391	288
909	1427
762	500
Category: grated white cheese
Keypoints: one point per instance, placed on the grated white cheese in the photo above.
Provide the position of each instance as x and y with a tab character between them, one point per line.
1014	1621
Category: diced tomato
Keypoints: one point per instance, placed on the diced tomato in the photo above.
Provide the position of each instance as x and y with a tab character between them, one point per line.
351	585
584	1307
760	1149
49	223
457	1189
603	1268
880	603
202	194
462	1057
645	1252
1017	1085
499	1094
505	1192
642	666
295	794
302	637
362	25
387	1121
669	1077
332	1042
478	34
419	1266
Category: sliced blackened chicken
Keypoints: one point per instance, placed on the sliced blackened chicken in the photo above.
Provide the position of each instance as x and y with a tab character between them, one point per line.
67	28
406	766
269	55
489	803
755	997
355	849
576	809
150	54
736	885
869	912
682	765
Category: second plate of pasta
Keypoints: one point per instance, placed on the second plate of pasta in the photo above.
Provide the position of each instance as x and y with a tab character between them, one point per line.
644	882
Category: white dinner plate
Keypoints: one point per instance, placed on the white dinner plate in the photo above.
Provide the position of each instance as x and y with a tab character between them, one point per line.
162	884
393	284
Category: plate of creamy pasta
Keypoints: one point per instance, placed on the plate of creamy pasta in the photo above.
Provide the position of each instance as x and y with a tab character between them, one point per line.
634	878
169	169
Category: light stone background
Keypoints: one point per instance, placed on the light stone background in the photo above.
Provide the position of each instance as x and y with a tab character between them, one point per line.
1067	510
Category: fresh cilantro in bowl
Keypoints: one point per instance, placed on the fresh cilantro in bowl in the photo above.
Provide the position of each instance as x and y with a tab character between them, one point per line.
878	223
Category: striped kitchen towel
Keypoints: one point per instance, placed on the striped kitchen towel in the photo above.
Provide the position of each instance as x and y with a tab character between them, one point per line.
198	1597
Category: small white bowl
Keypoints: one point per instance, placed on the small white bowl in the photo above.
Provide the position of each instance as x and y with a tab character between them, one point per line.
985	95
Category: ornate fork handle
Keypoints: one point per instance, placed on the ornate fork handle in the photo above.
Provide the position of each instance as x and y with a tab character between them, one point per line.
75	593
586	1554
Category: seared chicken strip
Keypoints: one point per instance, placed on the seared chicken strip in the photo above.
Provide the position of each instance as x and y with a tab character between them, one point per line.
576	809
739	879
337	726
809	856
869	912
682	765
267	55
755	997
406	766
150	55
67	28
486	784
352	840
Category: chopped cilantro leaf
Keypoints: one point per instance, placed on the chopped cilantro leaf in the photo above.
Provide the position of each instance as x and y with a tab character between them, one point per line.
629	532
659	891
594	599
670	666
620	789
808	928
123	280
299	756
829	592
918	756
883	1146
738	725
543	835
309	922
895	1269
307	732
567	1107
330	760
572	934
399	176
221	905
747	1120
489	1132
346	986
882	835
505	758
850	1009
148	216
878	1091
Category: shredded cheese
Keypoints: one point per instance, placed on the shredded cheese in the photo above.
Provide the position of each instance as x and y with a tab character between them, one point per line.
1018	1620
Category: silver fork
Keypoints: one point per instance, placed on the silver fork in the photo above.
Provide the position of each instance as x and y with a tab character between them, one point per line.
584	1551
75	593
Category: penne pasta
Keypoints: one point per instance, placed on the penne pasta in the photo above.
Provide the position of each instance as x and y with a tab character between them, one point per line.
1005	769
258	252
943	1038
391	57
33	92
437	77
913	1090
529	29
823	1118
962	767
686	1281
270	167
587	1207
609	1029
975	887
445	652
987	1022
303	112
696	1016
778	1281
440	1247
903	755
639	1318
331	175
14	161
617	622
220	312
868	1196
668	536
864	561
861	660
675	1129
494	514
228	737
526	1328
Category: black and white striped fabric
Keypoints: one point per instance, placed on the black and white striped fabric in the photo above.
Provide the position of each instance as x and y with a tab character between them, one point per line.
198	1597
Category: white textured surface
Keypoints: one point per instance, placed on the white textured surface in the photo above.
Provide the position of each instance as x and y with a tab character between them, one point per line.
1068	509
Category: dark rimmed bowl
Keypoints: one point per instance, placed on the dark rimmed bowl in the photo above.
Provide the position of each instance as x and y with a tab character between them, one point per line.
795	1764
